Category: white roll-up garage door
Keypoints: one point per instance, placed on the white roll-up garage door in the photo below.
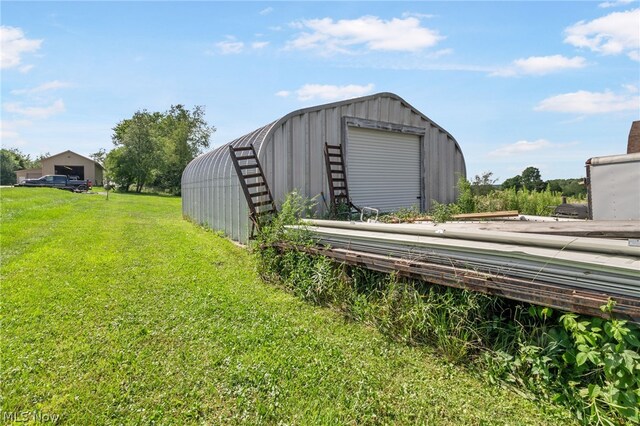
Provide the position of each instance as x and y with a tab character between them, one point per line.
383	169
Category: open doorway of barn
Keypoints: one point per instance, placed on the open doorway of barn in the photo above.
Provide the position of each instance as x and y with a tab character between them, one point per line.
76	172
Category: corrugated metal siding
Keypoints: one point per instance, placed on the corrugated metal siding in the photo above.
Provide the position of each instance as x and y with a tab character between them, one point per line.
211	192
383	169
291	153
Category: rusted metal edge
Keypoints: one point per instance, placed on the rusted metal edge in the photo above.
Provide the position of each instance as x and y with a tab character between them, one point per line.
542	293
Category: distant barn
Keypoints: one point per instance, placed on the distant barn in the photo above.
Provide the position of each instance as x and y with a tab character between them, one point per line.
65	163
396	158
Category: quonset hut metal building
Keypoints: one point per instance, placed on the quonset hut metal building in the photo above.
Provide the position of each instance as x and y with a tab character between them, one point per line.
396	158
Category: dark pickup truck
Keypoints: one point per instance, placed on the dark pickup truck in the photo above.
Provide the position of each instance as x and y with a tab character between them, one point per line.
58	181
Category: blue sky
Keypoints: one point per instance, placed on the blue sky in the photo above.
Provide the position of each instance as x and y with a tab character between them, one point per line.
545	84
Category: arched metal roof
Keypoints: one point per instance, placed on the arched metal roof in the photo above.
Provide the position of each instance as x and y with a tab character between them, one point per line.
210	188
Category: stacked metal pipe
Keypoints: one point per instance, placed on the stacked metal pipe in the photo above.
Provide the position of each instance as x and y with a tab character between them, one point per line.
605	266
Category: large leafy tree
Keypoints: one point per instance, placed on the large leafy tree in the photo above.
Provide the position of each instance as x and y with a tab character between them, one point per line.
532	180
12	159
183	134
140	156
154	148
8	165
120	168
513	182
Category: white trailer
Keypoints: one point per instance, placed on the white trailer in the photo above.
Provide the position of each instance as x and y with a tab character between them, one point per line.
613	184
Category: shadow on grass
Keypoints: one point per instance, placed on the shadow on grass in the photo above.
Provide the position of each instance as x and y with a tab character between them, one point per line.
144	194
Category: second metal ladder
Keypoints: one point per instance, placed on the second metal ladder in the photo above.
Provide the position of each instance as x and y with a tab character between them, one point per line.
337	177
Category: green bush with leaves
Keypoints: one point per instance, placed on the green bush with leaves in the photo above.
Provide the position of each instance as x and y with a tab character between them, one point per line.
277	229
590	364
466	200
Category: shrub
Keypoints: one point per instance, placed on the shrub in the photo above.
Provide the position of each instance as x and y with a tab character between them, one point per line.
466	200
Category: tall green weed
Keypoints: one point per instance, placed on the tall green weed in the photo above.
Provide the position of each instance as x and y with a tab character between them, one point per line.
530	202
524	201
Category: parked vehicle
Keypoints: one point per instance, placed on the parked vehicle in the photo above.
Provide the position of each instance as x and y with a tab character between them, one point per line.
58	181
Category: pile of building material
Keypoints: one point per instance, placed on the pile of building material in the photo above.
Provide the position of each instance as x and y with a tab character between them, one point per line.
568	272
618	229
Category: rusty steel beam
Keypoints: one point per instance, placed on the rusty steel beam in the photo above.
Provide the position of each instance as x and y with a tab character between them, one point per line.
537	292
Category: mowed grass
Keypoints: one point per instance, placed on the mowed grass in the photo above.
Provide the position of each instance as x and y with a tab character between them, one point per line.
121	312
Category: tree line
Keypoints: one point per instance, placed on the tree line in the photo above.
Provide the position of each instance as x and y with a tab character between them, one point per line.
531	180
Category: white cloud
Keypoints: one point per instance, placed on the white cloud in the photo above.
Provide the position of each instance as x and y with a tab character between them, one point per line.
230	47
233	46
417	15
8	130
540	65
25	68
528	148
440	53
612	34
56	107
283	93
632	88
520	147
608	4
585	102
327	92
266	11
406	35
6	134
13	45
51	85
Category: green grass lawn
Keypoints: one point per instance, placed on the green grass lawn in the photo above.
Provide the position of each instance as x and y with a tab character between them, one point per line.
121	312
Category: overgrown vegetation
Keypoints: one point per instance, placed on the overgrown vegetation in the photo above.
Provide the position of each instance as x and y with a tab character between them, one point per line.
471	199
533	197
590	365
539	203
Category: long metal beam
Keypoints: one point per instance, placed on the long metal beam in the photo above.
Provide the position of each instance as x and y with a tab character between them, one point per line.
584	301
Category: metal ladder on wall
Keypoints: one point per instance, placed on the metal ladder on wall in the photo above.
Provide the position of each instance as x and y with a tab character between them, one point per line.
245	159
337	176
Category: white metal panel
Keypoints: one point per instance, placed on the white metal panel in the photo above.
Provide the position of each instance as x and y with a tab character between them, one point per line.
383	169
615	187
